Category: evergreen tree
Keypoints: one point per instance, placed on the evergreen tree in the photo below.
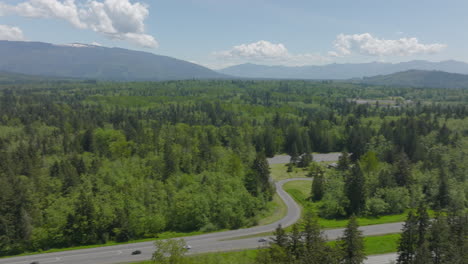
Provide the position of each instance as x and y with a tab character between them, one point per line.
439	239
443	135
305	160
458	222
344	162
402	169
261	177
423	254
269	141
171	165
294	155
295	247
87	141
318	184
281	238
443	196
408	241
352	243
355	184
423	223
316	250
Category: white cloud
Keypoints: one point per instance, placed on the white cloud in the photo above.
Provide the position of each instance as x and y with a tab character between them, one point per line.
116	19
366	44
257	50
11	33
266	52
333	54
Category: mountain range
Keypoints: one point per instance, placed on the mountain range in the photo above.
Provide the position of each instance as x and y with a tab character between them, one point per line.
95	62
341	71
419	78
82	61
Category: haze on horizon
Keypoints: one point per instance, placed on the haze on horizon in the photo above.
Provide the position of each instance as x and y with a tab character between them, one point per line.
220	33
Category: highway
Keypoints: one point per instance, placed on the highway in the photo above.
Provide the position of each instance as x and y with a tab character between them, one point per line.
214	242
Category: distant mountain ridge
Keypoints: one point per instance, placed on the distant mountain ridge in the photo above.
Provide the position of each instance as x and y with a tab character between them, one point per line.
419	78
18	78
341	71
95	62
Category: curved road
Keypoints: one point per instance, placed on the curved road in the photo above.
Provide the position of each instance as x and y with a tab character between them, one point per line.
200	244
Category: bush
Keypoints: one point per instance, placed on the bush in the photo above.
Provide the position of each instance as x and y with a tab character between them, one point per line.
332	208
209	228
376	206
397	199
334	201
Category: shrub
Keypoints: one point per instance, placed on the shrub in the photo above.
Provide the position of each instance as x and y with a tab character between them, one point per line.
376	206
397	199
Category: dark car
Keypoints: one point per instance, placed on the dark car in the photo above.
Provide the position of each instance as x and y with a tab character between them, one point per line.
262	240
35	262
136	252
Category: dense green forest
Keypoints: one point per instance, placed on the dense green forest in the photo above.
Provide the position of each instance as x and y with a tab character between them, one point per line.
86	163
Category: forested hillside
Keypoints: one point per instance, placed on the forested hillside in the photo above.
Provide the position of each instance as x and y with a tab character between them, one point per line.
86	163
95	62
416	78
341	71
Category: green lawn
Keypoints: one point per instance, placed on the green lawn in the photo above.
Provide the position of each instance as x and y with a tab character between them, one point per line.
376	245
275	211
280	172
300	191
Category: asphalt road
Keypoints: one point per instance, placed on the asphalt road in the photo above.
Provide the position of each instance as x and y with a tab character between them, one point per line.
200	244
381	259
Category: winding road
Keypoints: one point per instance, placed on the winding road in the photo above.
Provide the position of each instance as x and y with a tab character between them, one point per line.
221	241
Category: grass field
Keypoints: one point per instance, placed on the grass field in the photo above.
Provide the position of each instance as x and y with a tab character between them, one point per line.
275	211
300	191
376	245
280	172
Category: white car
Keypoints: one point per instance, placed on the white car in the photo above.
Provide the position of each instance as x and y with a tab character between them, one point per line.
188	247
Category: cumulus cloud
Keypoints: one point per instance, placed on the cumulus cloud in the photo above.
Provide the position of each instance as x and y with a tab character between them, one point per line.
366	44
265	51
258	50
11	33
116	19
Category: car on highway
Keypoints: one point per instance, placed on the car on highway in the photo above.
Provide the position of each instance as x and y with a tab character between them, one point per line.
188	247
136	252
35	262
262	240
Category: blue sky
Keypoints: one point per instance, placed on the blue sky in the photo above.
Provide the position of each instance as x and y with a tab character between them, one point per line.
218	33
